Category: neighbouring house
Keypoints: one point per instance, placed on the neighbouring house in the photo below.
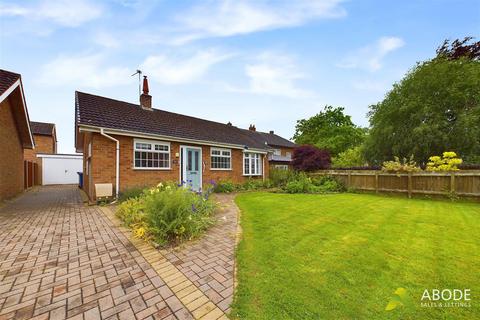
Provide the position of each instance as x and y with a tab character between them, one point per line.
128	145
45	138
281	149
15	134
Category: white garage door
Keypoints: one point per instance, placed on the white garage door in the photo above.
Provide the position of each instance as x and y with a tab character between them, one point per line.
60	169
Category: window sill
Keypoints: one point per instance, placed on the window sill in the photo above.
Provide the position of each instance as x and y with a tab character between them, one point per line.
214	169
252	175
152	169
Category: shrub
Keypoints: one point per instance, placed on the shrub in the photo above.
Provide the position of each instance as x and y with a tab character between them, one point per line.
448	162
167	213
224	187
352	157
253	184
301	184
310	158
328	184
130	193
398	166
280	177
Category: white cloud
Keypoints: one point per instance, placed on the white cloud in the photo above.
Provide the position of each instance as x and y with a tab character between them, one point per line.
106	40
61	12
84	71
371	57
173	70
229	17
274	74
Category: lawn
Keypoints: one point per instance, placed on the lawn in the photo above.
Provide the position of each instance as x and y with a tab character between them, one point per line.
342	256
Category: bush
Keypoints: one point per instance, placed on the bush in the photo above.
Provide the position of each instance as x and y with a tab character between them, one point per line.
130	193
328	184
310	158
350	158
224	187
398	166
301	184
167	213
253	184
448	162
304	184
280	177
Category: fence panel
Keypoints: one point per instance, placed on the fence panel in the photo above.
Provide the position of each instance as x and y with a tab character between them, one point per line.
462	183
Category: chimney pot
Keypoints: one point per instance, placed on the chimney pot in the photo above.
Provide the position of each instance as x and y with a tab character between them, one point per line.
145	85
271	132
145	98
252	128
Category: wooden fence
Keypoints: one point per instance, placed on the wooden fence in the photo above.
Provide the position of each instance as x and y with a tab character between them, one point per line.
30	174
428	183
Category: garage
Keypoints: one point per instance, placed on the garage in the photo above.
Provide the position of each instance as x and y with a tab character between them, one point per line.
60	168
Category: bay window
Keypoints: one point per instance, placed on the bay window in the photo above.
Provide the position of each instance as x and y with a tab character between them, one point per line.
252	164
151	154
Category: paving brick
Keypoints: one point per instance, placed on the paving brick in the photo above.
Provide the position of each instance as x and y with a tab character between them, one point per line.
60	259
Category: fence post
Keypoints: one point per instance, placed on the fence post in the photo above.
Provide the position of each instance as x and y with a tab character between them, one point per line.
376	182
409	184
349	181
452	182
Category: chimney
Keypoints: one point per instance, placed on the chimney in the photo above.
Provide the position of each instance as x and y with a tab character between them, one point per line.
271	132
252	128
145	98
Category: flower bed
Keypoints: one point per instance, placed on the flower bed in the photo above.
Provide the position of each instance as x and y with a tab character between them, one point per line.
167	213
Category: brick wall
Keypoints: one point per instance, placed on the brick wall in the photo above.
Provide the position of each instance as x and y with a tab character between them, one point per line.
43	144
103	165
11	154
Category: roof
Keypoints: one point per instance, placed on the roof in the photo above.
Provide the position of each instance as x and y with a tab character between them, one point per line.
275	140
11	88
42	128
97	111
7	79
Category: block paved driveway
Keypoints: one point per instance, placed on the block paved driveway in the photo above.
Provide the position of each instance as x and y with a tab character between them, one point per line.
60	259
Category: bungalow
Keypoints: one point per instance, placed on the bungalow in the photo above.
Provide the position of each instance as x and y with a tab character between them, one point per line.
128	145
45	138
15	134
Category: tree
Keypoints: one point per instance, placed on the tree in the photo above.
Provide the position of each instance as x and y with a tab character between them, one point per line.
352	157
459	49
310	158
330	129
435	108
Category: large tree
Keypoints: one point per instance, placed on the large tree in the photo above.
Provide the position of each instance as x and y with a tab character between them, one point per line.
435	108
330	129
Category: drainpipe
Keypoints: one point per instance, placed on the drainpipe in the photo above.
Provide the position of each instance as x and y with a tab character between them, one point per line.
263	167
117	161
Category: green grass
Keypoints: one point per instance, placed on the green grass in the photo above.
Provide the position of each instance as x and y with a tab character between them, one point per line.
342	256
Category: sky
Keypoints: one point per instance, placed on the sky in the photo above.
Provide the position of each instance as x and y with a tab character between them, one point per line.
268	63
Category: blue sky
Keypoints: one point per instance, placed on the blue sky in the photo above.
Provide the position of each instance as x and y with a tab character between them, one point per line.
264	62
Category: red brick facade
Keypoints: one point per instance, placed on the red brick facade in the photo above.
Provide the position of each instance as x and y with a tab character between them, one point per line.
101	163
11	154
43	144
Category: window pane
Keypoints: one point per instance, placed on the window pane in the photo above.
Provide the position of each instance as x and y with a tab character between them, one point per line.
215	152
196	160
161	147
143	146
189	160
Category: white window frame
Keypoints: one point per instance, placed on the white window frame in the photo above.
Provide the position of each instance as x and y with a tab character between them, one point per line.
152	143
221	156
258	168
277	152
